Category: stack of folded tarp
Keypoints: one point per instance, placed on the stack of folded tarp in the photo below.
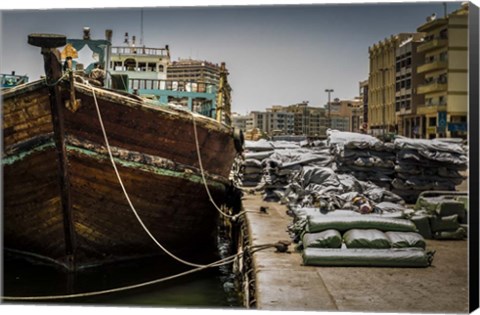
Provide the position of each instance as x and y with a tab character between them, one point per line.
362	240
283	164
364	156
258	146
427	165
441	217
321	187
251	172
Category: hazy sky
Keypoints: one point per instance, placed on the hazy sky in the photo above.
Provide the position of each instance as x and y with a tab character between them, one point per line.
276	55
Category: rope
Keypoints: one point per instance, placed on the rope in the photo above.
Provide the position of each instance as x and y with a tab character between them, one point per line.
125	191
224	261
204	180
56	82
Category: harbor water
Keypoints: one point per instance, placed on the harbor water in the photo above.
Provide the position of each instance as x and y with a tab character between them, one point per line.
210	288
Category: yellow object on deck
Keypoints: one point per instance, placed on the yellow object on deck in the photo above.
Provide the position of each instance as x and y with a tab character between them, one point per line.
69	51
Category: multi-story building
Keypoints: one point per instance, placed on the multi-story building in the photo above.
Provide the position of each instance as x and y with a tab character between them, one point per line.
308	120
243	122
363	87
345	114
381	84
407	79
446	74
273	122
260	120
296	119
280	121
356	114
194	70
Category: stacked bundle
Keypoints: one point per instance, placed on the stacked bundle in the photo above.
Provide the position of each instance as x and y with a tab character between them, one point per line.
252	172
362	240
442	217
427	165
363	156
321	187
283	164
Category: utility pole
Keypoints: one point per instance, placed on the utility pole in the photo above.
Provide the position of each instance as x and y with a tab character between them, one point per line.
329	111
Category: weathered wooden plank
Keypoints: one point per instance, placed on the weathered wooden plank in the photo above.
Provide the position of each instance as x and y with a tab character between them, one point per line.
12	137
154	133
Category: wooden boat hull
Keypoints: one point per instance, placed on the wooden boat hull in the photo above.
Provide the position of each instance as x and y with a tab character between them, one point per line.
154	150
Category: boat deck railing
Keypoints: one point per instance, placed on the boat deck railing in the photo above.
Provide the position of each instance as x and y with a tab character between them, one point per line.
171	85
130	50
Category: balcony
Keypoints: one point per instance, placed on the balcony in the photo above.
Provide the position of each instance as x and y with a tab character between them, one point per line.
431	87
432	44
432	66
431	109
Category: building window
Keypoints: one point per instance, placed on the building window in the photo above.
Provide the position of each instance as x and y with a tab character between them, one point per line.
443	34
407	104
130	64
408	84
117	66
443	56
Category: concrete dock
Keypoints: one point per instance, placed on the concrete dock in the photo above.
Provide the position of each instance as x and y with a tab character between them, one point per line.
283	283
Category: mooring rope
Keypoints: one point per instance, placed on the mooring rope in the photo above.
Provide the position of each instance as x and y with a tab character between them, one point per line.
202	171
126	193
224	261
200	164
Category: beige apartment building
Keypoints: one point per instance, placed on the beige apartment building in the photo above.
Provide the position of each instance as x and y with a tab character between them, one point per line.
194	70
346	115
363	92
446	74
296	119
407	79
308	120
382	84
243	122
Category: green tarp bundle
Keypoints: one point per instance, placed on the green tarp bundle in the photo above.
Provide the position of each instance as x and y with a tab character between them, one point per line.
439	224
342	224
355	257
422	222
458	234
451	207
325	239
406	239
369	238
428	203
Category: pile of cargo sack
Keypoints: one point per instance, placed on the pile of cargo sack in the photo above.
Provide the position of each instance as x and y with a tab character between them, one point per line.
443	217
348	238
269	165
427	165
321	187
364	156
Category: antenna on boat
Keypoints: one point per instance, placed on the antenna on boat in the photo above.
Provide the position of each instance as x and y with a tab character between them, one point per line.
141	27
108	66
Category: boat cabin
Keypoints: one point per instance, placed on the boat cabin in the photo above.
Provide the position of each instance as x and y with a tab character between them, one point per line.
12	80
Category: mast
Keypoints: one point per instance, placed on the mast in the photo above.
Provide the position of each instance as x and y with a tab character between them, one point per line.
53	72
223	97
141	27
108	54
